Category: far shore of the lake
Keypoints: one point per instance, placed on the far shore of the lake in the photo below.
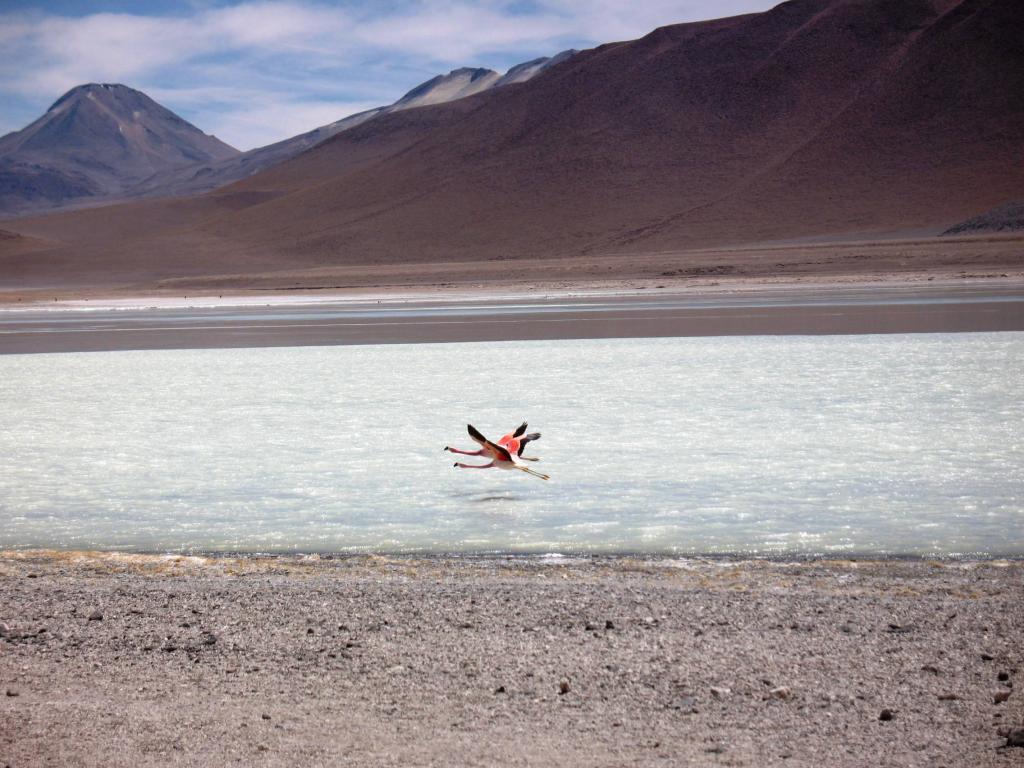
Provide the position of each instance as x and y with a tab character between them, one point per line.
383	286
506	312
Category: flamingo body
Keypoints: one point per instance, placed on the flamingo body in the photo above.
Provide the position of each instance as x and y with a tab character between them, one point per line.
505	454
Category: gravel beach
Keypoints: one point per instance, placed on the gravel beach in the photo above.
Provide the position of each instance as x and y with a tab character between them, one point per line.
110	660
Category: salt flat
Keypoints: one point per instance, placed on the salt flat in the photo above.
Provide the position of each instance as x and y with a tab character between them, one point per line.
787	445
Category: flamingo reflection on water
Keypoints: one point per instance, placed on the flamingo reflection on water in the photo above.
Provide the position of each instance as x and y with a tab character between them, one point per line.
505	454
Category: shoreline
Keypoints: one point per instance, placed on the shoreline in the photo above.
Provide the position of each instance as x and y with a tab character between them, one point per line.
743	309
152	660
492	290
483	558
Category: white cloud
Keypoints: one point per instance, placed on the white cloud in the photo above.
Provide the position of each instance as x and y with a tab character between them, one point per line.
256	72
245	118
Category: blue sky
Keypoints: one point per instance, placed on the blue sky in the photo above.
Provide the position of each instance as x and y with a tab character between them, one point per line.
258	71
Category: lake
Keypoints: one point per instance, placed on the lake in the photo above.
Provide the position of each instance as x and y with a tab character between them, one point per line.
908	444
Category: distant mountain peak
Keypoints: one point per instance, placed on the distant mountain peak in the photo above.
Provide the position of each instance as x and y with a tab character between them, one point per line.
520	73
457	84
468	81
88	89
97	140
475	73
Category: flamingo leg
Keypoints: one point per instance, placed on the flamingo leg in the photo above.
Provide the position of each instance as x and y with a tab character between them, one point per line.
473	466
465	453
529	471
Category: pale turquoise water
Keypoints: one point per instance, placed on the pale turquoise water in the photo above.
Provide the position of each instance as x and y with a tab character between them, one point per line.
906	444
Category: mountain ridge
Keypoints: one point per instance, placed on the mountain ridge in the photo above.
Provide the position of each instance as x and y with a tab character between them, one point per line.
71	182
842	119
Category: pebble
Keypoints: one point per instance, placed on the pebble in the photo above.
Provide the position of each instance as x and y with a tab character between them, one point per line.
265	716
687	705
609	624
987	657
209	639
720	693
948	697
500	689
782	692
1001	696
4	630
563	686
11	692
96	615
1016	738
590	626
1002	677
886	715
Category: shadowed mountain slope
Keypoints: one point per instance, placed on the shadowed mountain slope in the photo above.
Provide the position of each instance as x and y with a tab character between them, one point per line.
1006	218
819	118
457	84
816	118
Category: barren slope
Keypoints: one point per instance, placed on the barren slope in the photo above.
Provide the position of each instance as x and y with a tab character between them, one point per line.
818	119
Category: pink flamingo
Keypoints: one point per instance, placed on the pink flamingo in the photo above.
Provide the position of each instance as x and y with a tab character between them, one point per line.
515	442
504	454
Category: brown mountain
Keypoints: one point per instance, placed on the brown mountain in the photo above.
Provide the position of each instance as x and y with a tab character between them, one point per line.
817	119
97	141
457	84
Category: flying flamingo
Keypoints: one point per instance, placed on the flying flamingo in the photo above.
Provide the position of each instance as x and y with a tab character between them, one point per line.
501	456
515	442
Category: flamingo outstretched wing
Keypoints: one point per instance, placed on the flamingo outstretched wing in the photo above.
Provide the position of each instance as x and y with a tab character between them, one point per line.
527	439
498	452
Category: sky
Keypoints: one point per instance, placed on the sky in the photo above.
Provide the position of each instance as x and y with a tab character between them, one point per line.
255	72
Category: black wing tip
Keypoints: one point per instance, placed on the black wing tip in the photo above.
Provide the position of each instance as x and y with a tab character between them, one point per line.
519	430
474	432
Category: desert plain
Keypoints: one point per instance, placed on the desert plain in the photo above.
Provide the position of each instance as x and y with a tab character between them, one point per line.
125	660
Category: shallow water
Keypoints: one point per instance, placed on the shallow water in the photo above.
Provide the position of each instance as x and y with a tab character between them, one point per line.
907	444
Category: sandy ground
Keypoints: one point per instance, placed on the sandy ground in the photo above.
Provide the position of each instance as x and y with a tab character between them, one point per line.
800	265
110	660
